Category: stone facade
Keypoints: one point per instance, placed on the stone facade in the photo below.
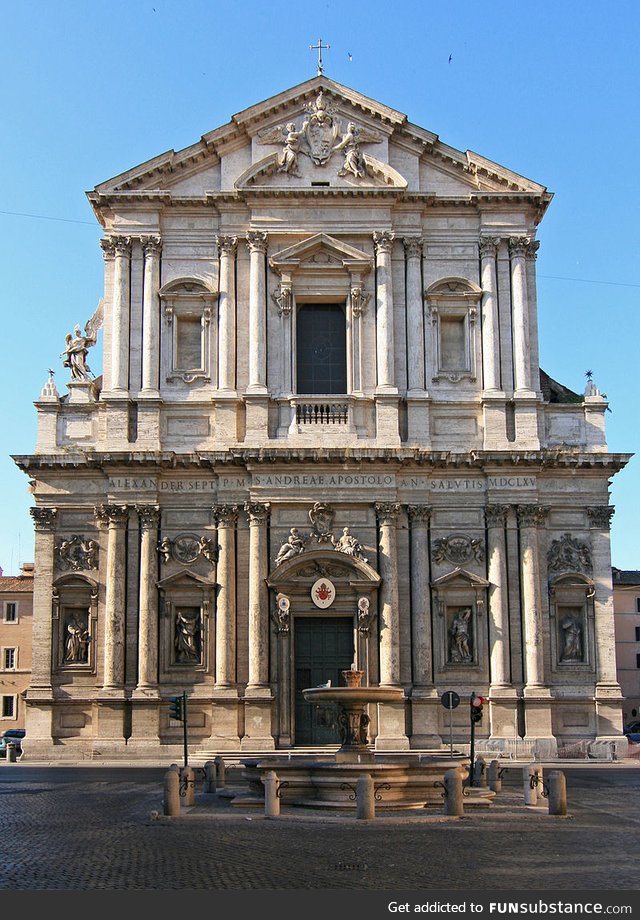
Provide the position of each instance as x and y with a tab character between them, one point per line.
321	403
626	608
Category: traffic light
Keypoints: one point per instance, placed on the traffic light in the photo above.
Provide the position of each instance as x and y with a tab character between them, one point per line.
476	707
175	708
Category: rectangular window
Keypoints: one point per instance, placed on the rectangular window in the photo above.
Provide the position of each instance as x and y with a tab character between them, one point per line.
637	661
8	707
321	349
10	612
189	343
637	604
453	350
9	656
637	633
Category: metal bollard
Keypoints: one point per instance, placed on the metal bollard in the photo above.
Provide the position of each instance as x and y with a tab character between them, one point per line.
171	801
220	769
271	797
189	782
532	783
495	780
557	793
365	801
480	772
453	800
210	777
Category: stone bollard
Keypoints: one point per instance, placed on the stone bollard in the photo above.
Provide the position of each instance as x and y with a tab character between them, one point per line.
11	752
557	793
495	780
453	800
189	782
365	797
271	797
220	769
532	783
480	772
210	777
171	802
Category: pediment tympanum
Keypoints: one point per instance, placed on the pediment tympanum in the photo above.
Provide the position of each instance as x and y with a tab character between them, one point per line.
323	563
460	577
319	252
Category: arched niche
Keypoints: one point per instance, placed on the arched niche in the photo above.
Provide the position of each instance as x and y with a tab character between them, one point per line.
572	622
453	309
460	601
75	616
186	633
188	353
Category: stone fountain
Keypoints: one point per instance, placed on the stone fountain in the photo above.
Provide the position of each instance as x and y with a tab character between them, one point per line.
400	780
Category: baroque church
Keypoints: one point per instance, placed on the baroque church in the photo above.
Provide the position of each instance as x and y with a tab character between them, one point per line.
321	439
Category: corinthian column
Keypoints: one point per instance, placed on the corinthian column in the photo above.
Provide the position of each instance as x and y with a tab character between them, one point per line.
518	248
257	245
495	517
600	523
389	603
415	316
225	517
529	518
258	595
227	314
148	619
115	517
490	323
421	649
120	315
151	315
44	520
383	241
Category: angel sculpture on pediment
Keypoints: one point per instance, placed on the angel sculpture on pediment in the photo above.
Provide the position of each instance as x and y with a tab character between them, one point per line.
354	161
290	137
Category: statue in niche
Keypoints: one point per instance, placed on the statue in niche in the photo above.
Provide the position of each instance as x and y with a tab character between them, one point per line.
572	639
460	641
78	344
76	650
353	159
187	635
291	547
349	545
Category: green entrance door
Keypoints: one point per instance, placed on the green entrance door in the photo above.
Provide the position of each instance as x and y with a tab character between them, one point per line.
323	648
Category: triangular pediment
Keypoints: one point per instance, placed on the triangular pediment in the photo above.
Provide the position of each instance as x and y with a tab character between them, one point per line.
462	577
319	137
184	578
321	251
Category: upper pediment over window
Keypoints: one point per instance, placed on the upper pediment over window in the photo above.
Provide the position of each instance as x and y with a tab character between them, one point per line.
320	252
316	137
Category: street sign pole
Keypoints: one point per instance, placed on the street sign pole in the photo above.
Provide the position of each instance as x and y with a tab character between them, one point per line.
450	700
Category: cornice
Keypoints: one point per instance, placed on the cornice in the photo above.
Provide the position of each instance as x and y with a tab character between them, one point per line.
398	458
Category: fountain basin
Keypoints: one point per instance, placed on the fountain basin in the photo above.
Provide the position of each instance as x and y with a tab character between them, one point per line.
354	695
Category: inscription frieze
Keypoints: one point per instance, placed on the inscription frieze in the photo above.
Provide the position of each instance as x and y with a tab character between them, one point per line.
153	484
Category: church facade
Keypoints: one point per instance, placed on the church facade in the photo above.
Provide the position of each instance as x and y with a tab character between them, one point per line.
321	439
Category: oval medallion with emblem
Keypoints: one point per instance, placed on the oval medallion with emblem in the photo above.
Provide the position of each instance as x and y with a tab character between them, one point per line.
323	593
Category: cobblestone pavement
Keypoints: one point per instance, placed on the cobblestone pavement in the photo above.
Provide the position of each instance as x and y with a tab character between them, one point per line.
83	831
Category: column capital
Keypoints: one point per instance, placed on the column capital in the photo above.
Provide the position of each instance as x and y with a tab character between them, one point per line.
600	516
413	246
225	515
256	241
523	246
116	515
531	515
383	241
227	244
488	246
387	512
151	245
258	512
121	245
419	514
149	516
108	247
496	515
44	519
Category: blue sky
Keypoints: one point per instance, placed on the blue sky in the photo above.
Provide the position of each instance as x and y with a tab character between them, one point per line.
549	90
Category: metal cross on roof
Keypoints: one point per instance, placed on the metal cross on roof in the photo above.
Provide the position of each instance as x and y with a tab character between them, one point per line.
319	47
